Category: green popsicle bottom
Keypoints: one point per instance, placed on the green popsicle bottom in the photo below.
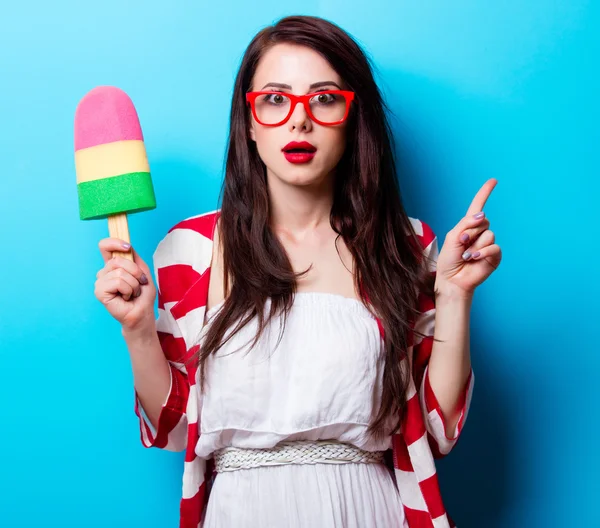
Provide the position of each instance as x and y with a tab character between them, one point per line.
126	193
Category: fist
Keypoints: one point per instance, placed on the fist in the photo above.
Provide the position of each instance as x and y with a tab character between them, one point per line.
125	288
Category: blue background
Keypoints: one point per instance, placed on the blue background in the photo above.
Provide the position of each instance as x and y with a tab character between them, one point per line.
478	89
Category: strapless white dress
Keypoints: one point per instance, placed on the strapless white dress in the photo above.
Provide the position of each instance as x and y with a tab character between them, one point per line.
322	381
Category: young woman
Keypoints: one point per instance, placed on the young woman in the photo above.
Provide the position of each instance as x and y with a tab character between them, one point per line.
307	356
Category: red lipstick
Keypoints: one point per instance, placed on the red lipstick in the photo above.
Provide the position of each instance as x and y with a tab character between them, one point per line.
299	152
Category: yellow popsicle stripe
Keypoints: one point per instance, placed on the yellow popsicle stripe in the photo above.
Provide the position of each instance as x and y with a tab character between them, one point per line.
110	159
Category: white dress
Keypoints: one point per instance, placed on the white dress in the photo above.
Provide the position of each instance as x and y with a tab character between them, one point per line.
323	381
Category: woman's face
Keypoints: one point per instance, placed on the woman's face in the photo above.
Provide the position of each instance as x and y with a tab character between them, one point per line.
298	67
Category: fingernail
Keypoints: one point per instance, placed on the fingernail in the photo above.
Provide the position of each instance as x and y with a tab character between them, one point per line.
466	255
479	216
143	279
138	293
464	238
126	246
476	254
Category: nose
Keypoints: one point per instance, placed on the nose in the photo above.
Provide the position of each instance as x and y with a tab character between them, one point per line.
300	119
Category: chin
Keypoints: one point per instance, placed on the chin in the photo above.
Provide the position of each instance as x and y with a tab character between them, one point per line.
302	175
307	179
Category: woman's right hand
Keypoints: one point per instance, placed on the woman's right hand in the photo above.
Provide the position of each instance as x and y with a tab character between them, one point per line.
125	288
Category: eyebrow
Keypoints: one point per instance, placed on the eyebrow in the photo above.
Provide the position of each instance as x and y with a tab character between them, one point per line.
313	86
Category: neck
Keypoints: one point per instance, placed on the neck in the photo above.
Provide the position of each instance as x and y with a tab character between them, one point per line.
300	209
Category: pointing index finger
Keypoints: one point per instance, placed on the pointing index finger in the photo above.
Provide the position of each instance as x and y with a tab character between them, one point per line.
482	196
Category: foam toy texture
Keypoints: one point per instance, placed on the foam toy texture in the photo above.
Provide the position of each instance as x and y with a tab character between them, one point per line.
113	175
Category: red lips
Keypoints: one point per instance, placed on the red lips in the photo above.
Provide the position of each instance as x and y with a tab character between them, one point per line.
304	146
299	152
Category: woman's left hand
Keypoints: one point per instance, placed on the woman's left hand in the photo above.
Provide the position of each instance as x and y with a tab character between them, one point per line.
469	254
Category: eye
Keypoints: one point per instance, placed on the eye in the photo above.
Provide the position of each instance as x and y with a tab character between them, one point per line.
275	98
324	98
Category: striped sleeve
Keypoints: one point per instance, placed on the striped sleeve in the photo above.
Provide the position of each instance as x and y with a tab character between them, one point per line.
435	423
171	433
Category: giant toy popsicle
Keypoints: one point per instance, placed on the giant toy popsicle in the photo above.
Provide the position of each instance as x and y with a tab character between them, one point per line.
113	175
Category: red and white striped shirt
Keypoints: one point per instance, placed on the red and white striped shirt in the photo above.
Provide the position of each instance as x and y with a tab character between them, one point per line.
182	269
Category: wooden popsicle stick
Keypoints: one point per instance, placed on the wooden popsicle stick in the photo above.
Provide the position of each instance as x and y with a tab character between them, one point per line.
118	228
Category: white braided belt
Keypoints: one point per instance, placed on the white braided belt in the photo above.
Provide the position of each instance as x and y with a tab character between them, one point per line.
294	452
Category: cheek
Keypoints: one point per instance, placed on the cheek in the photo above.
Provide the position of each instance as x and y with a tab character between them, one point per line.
266	142
336	144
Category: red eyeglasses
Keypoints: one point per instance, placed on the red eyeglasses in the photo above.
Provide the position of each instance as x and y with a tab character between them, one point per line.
325	108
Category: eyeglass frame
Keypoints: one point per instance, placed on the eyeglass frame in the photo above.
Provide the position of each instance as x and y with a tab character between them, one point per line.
304	99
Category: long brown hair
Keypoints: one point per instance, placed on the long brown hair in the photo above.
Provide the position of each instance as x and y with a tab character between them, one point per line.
367	213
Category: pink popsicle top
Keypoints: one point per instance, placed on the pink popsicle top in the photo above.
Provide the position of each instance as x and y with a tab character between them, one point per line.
105	114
